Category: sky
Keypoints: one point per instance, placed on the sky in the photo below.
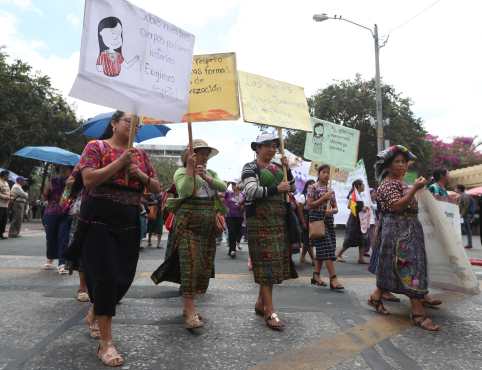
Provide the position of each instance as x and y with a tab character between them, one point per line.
432	55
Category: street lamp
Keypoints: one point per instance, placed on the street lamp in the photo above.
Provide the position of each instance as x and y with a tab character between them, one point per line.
380	140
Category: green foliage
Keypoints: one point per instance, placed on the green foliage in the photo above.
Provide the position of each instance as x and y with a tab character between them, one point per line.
165	169
32	112
352	103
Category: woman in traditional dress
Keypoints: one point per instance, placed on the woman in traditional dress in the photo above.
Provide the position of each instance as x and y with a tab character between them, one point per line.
192	242
354	235
266	221
322	204
115	178
402	261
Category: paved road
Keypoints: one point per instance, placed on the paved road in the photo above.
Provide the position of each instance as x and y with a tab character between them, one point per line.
42	328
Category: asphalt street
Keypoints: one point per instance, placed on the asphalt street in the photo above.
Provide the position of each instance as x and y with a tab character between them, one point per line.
42	324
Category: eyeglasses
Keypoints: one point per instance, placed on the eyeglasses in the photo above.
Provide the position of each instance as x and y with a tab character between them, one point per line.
128	121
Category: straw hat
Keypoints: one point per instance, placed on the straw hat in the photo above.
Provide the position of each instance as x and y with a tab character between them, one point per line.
201	144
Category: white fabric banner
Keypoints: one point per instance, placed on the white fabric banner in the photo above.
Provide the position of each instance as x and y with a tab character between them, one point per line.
133	61
448	265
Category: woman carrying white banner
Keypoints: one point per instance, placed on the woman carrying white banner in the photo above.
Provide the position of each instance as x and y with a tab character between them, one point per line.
402	262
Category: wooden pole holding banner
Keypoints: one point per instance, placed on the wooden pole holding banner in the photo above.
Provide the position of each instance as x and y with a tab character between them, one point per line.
132	136
330	186
282	152
191	151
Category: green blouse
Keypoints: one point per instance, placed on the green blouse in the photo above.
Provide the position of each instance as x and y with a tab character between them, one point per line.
184	183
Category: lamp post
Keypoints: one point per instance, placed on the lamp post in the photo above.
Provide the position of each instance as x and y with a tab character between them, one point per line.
378	88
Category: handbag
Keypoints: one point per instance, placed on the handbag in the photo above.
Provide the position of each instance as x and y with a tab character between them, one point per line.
317	230
152	212
293	225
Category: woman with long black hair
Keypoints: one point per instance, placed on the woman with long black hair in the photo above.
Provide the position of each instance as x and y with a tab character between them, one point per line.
354	235
114	178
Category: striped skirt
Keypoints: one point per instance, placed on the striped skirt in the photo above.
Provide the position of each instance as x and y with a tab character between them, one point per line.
268	243
326	247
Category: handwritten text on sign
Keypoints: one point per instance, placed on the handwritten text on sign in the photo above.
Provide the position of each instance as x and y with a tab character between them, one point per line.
274	103
332	144
134	61
214	88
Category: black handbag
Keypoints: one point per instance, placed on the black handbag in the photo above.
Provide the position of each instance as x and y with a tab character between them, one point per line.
293	225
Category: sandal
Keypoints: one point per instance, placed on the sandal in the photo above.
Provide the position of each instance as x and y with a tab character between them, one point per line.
424	322
317	282
83	296
193	322
431	303
198	315
377	304
110	357
278	324
340	259
335	287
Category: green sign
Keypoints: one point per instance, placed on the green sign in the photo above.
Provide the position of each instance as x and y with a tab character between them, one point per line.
332	144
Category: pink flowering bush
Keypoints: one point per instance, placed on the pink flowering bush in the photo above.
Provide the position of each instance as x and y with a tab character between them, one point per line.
461	152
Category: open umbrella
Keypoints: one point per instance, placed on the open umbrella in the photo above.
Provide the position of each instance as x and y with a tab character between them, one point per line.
96	126
50	154
11	175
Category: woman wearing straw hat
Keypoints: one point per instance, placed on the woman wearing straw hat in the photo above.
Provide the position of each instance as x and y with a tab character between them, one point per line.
265	206
197	222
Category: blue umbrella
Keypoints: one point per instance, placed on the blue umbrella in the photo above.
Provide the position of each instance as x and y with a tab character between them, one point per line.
12	176
96	126
49	154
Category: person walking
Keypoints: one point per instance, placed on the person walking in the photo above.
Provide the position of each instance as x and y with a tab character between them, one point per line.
4	202
56	220
266	220
322	204
402	261
234	201
155	221
19	200
355	237
467	211
108	233
198	220
305	222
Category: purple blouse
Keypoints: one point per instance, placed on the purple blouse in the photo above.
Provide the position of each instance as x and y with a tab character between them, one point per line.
57	185
233	202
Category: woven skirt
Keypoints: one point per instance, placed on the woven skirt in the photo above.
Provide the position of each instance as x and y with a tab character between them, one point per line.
402	261
268	243
325	247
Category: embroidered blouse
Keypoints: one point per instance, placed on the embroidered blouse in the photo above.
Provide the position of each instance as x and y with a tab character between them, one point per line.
391	191
316	191
111	63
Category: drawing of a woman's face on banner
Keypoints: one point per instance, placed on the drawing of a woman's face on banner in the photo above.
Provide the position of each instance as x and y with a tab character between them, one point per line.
318	133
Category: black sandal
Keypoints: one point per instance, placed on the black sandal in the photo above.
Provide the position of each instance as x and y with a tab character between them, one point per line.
377	304
274	317
335	287
317	282
419	320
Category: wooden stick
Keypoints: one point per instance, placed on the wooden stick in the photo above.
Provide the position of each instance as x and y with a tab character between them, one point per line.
330	184
191	151
282	152
132	136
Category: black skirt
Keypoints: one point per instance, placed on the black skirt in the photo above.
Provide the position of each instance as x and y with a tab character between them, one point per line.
110	250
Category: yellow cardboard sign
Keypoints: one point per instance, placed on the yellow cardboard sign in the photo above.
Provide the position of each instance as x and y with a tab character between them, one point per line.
213	94
274	103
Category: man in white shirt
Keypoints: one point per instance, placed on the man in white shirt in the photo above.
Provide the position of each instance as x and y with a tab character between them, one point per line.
19	200
4	200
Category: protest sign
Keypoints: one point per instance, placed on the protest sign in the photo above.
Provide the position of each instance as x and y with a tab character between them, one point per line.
332	144
213	95
273	103
448	265
133	61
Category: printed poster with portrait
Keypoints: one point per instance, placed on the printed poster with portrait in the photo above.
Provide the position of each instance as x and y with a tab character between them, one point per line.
133	61
332	144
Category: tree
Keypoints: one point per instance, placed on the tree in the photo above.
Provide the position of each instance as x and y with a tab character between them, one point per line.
32	112
352	103
461	152
165	169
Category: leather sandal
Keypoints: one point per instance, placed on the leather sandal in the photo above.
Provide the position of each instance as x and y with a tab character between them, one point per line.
424	322
335	287
110	357
317	282
193	322
377	304
278	326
